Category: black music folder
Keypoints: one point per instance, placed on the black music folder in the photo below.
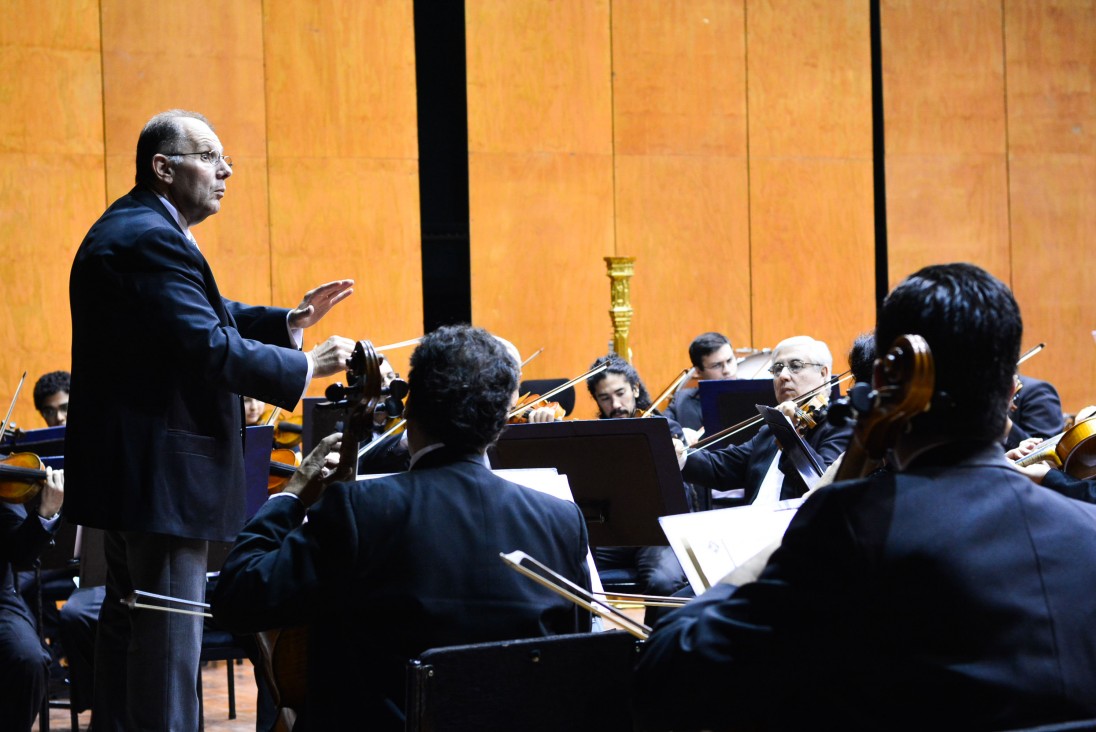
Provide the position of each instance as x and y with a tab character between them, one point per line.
804	460
623	472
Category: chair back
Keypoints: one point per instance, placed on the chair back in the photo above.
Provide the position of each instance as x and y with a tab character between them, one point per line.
574	682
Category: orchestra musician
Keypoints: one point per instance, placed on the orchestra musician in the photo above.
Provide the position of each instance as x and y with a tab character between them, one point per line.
713	359
948	592
620	394
387	568
1034	412
800	364
51	397
154	450
25	530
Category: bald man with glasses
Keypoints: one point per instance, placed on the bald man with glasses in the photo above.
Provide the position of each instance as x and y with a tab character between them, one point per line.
758	467
154	444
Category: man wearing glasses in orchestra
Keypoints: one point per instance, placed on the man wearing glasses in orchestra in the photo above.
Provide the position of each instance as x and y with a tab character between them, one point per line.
759	467
154	448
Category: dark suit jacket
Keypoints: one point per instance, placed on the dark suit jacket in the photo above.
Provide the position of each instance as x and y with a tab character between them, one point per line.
1038	408
745	465
387	568
685	409
22	540
159	359
956	595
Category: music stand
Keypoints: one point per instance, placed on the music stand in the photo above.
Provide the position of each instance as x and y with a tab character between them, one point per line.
623	472
731	401
43	442
317	424
257	447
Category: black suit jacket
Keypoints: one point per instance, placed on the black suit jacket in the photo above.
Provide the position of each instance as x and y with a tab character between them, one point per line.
957	595
387	568
22	539
155	429
745	465
685	409
1038	408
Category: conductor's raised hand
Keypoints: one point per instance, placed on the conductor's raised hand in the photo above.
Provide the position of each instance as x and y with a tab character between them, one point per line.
330	357
309	481
318	301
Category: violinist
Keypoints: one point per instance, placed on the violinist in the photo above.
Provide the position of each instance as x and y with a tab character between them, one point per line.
758	468
154	450
1035	411
947	593
51	397
386	568
713	359
541	412
25	530
620	394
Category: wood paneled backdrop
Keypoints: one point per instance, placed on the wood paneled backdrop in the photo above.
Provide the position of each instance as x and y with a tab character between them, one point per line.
726	144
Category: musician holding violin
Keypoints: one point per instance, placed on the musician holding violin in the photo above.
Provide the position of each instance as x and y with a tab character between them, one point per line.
386	568
25	530
947	592
758	468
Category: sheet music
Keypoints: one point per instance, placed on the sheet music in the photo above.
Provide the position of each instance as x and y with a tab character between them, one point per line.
710	544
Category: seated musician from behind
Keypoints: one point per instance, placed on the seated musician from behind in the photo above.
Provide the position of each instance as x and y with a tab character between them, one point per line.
385	569
800	365
620	394
948	593
51	397
713	359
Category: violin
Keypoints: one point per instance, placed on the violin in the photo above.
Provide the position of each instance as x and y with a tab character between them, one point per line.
21	476
530	402
1073	451
283	463
809	415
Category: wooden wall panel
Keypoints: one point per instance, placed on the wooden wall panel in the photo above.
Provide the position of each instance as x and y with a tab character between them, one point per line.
945	136
51	181
205	57
1051	57
343	147
541	177
679	124
812	261
811	228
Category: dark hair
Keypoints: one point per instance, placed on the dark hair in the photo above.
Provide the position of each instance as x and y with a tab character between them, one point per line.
618	365
161	135
461	384
704	344
48	385
973	326
862	357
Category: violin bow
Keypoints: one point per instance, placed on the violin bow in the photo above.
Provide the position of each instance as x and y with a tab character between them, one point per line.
11	407
799	401
539	573
681	379
1030	352
535	354
562	387
130	601
401	344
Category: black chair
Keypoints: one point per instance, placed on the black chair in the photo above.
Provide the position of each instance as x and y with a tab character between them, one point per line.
565	398
573	682
53	583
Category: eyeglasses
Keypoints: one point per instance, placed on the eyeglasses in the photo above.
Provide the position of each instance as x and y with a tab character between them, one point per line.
208	156
794	366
